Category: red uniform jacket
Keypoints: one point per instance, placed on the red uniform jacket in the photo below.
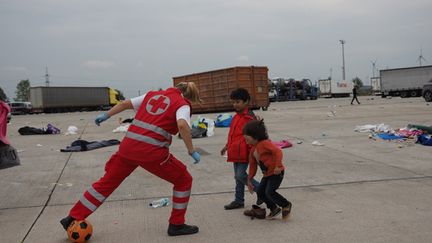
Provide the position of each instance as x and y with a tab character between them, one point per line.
155	122
237	148
267	156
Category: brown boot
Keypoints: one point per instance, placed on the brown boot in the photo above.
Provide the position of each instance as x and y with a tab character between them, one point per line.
286	211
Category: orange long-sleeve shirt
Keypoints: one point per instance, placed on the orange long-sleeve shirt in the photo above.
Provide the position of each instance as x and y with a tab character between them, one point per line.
267	156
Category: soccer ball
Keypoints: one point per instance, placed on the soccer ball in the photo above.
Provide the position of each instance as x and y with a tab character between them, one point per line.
79	231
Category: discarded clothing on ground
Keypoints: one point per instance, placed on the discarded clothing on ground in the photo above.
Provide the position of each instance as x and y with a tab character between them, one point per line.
38	131
408	133
373	128
83	145
427	129
389	136
282	144
8	156
223	120
425	140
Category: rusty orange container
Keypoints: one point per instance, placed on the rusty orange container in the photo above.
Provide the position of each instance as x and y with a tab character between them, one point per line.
215	87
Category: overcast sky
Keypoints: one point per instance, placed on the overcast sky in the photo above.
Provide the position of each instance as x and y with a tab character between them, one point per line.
137	45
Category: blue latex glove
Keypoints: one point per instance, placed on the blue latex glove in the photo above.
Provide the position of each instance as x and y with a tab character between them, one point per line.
196	156
101	118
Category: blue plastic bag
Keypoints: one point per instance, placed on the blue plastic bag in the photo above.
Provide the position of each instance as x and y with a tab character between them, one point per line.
223	120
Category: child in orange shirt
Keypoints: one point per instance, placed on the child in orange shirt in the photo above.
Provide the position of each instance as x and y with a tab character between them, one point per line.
269	158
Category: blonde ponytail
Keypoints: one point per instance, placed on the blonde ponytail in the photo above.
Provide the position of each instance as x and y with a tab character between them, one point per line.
190	91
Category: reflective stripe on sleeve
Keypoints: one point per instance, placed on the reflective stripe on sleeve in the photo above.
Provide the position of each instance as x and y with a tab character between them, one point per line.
146	139
88	204
96	194
179	194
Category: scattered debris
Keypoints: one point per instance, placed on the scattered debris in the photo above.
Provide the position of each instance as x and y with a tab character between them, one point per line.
72	130
122	128
283	144
317	143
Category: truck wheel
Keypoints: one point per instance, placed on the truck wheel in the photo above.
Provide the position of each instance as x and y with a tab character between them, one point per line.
414	93
404	94
428	96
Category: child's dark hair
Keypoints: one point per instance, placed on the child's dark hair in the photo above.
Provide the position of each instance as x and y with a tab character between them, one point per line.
256	129
240	94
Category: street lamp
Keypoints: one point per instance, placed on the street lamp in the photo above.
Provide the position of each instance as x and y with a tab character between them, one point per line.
343	60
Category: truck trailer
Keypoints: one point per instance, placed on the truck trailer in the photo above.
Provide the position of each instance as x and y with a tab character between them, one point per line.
215	87
404	82
329	88
67	99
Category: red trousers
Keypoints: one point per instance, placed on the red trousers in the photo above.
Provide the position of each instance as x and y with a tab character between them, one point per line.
118	168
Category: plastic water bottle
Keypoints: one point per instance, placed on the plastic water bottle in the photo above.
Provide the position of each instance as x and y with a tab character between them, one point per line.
160	203
210	128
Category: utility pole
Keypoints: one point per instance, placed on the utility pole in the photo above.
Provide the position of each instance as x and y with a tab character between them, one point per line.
343	59
47	82
420	58
373	68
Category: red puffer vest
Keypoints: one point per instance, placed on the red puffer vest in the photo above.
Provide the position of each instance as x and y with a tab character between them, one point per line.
237	149
153	124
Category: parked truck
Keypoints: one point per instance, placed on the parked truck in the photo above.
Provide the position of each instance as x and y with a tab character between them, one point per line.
215	87
291	89
404	82
330	88
68	99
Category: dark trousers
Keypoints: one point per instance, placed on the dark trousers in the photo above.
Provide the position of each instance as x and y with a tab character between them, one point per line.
355	97
267	191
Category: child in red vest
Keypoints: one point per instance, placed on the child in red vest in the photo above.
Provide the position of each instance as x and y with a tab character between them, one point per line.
269	158
236	146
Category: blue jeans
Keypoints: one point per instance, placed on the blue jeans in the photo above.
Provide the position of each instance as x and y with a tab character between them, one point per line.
240	177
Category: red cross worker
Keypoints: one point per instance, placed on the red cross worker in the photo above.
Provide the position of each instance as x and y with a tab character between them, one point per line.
159	115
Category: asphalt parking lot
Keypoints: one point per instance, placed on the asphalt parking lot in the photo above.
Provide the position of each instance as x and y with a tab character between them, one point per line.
351	189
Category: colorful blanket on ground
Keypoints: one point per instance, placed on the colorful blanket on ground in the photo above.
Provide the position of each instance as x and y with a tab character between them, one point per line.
389	136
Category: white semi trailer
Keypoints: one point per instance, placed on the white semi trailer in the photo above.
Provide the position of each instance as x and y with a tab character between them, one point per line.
330	88
404	82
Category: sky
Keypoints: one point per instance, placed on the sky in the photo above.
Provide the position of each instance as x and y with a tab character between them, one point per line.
137	45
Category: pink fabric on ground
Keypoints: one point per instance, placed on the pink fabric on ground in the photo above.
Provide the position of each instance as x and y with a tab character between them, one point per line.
282	144
409	133
4	110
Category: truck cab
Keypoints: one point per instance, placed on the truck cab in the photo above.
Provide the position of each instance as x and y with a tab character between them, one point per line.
19	108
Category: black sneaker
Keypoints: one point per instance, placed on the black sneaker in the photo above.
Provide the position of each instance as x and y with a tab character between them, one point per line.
259	201
273	213
286	211
234	205
183	229
66	222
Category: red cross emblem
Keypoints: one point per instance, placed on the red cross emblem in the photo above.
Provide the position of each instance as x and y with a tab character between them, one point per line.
158	104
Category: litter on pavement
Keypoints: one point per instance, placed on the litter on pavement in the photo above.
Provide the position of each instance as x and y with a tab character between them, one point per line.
83	145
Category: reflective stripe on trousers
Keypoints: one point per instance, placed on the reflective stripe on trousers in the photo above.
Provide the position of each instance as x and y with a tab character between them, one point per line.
179	195
96	195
